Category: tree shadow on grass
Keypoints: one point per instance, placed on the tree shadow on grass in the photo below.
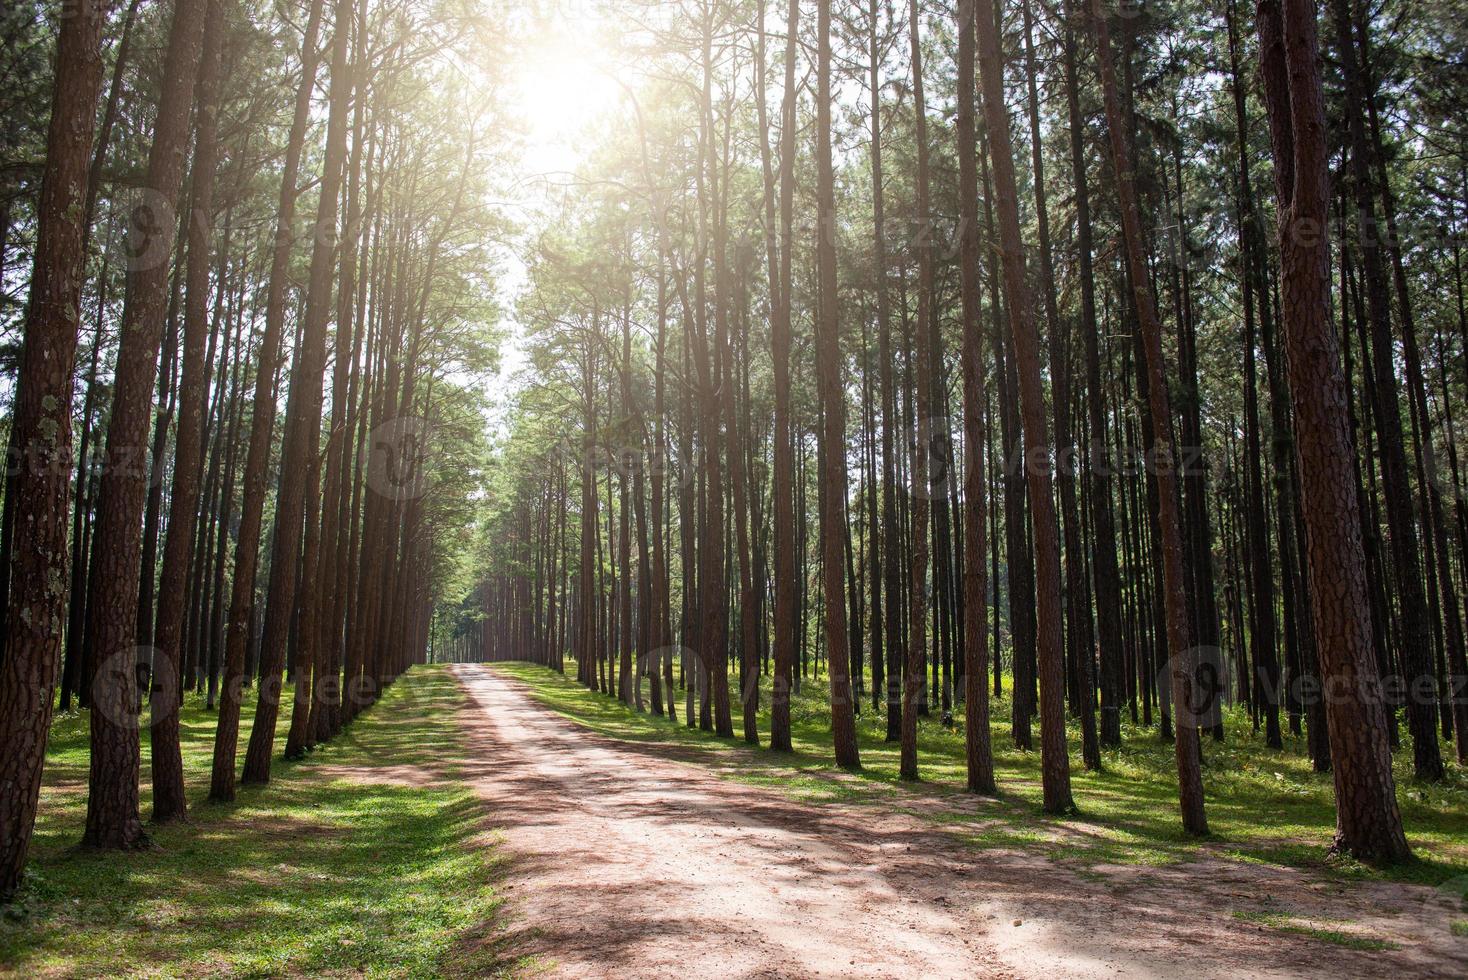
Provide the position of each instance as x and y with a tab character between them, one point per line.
338	864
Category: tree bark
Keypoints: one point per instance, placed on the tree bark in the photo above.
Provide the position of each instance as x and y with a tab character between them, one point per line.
1180	663
978	752
262	425
1368	823
1055	760
783	489
922	435
833	401
1415	644
112	800
169	802
1105	575
41	438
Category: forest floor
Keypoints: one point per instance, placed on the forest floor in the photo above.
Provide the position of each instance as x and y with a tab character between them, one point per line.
368	857
634	846
503	820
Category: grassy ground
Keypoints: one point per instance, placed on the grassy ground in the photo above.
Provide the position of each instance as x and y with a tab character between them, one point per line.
1283	923
1263	805
363	858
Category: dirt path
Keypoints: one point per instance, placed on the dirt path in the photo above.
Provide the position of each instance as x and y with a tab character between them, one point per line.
625	863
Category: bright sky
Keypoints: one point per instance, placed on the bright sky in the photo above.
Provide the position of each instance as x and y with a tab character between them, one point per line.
562	83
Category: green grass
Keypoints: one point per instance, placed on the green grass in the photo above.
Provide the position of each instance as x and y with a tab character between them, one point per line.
330	869
1283	923
1264	806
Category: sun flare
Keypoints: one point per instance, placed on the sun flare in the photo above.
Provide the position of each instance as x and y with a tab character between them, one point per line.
872	488
564	84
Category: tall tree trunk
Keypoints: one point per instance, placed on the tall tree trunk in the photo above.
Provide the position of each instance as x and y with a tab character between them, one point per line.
262	425
833	401
1055	759
158	465
1180	664
1104	572
628	677
922	435
1079	639
167	756
1368	823
783	488
336	498
1415	644
1263	636
76	651
891	537
41	436
81	520
112	799
734	446
308	626
978	753
297	491
1455	707
94	182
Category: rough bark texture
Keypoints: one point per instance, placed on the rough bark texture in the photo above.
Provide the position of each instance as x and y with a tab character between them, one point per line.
1368	823
1104	571
299	478
891	536
262	424
1079	636
978	752
1055	760
1263	637
1402	540
112	801
783	489
748	653
167	758
308	622
833	425
922	435
41	438
1175	598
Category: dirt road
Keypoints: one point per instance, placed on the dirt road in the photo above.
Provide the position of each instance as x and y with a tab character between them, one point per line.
623	862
